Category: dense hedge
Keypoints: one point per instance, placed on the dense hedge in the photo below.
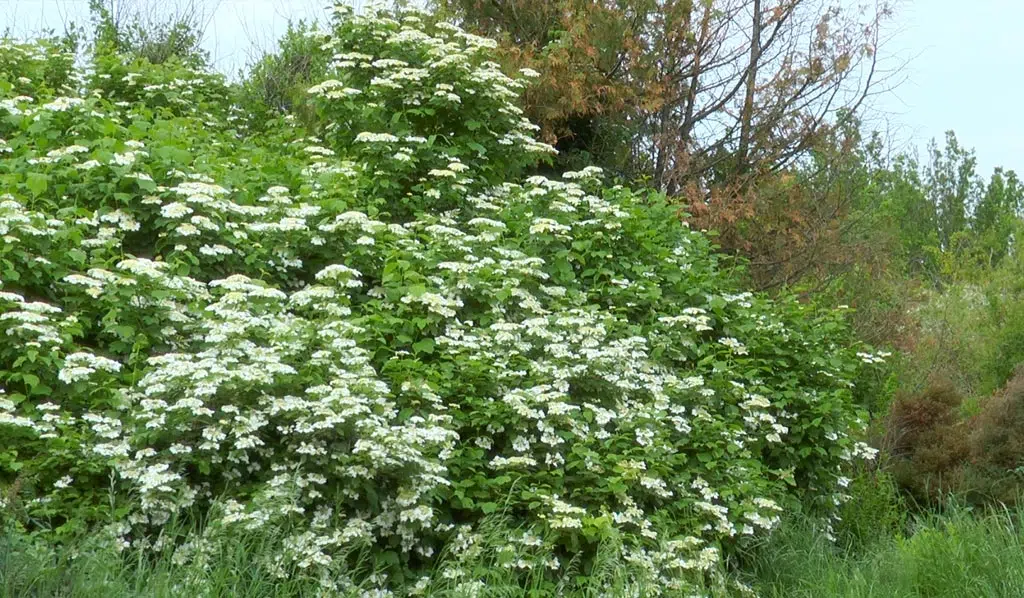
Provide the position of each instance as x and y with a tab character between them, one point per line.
369	328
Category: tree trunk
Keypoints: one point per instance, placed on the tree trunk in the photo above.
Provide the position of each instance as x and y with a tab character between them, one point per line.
747	116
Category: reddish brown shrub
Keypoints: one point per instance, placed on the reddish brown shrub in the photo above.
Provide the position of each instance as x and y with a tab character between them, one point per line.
997	435
935	452
997	442
927	442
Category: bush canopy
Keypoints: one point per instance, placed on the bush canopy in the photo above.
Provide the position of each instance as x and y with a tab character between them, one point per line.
362	323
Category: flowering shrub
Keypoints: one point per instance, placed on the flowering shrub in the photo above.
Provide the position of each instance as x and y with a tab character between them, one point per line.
373	330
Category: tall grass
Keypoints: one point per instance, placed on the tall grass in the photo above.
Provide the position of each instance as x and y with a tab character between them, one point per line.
91	569
959	554
237	567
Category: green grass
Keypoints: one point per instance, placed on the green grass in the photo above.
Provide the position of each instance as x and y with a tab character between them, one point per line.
30	569
237	569
959	554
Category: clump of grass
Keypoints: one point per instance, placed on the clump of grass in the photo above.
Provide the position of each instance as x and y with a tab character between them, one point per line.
959	554
236	566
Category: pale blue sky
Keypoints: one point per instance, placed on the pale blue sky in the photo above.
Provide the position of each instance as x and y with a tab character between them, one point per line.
236	27
965	69
963	62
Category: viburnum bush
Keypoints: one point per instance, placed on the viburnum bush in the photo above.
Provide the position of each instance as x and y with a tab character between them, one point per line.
369	327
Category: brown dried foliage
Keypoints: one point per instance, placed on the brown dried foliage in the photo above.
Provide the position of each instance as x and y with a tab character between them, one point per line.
695	88
927	442
998	435
935	452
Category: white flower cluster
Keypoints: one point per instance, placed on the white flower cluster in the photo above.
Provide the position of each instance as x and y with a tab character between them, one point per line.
79	366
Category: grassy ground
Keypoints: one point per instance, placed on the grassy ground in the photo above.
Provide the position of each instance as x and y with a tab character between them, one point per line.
30	570
237	569
961	554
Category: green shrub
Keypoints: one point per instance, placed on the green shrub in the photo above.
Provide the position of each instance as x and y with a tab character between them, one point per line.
43	67
875	510
367	334
971	334
277	83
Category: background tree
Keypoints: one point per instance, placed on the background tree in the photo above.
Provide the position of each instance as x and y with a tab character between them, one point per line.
953	186
151	31
588	93
718	103
906	210
706	86
997	215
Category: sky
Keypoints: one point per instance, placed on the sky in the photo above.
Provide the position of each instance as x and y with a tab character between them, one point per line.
957	65
964	62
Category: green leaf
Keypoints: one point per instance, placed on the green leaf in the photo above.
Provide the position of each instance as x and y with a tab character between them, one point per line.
37	183
480	150
146	185
77	255
41	390
30	380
